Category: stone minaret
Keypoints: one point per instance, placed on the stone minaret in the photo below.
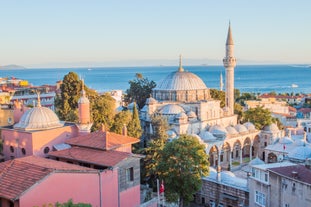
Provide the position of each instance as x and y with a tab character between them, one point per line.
229	63
84	124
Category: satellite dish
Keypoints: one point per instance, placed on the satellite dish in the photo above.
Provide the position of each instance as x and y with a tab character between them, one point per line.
280	158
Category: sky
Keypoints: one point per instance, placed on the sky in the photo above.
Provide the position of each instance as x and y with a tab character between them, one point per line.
58	33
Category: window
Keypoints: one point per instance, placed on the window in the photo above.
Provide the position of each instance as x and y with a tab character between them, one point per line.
12	149
260	198
46	150
23	151
130	174
203	200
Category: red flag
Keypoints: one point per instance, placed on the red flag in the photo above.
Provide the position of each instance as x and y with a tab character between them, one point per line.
284	146
162	187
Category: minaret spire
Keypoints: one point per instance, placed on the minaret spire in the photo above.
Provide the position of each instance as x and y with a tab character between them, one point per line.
229	63
180	69
84	124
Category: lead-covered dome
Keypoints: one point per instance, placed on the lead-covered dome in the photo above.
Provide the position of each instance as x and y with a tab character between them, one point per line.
181	80
38	118
181	85
171	109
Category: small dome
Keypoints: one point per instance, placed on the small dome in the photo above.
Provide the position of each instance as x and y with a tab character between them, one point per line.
212	173
229	178
151	100
171	109
38	118
250	126
171	133
181	115
180	80
271	128
241	128
191	114
207	136
300	153
231	130
256	161
285	140
218	130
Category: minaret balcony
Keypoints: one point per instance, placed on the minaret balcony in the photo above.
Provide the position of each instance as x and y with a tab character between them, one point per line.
229	62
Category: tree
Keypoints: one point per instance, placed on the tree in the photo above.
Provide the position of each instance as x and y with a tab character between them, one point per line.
67	104
160	127
134	127
259	116
140	89
218	95
182	164
238	109
103	111
121	118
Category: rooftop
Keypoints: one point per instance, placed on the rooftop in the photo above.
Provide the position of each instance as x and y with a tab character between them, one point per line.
93	156
20	174
103	140
302	173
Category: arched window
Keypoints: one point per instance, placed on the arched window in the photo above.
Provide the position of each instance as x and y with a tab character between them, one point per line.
23	151
12	149
46	150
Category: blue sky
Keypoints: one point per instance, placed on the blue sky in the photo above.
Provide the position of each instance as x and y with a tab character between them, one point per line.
74	32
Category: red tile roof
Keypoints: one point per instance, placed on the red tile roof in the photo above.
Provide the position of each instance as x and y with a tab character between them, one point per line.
293	109
17	175
304	174
102	140
93	156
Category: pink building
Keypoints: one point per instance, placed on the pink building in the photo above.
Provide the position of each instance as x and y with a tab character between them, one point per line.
96	168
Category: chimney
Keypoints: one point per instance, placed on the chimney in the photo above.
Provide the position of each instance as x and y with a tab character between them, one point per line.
218	173
103	128
124	130
294	174
308	163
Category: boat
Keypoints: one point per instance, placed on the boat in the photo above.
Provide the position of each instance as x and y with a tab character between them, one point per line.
294	85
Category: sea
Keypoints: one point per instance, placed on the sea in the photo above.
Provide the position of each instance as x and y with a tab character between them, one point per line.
248	78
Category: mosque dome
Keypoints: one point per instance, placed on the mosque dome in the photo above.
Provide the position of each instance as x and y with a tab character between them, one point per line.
212	173
182	115
229	178
151	101
250	126
231	130
171	133
241	128
272	128
38	118
218	130
256	161
171	109
285	140
181	80
207	136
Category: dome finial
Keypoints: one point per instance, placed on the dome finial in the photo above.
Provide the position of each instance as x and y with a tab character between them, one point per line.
38	96
180	69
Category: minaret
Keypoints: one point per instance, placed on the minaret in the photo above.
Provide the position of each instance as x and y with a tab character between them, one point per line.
229	63
84	124
180	69
221	83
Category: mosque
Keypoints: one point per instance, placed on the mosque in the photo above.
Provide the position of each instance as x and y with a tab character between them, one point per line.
184	100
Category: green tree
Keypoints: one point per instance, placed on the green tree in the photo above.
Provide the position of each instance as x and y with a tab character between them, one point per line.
259	116
103	111
120	119
238	109
160	127
67	103
182	164
134	127
218	95
140	89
